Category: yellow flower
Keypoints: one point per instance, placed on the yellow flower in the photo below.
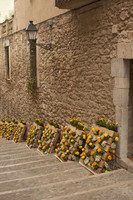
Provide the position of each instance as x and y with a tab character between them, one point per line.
83	157
72	140
116	139
84	136
106	135
77	153
80	147
90	136
106	171
101	119
63	140
90	144
62	148
56	150
93	129
65	127
83	128
39	141
89	164
66	136
63	155
67	151
83	149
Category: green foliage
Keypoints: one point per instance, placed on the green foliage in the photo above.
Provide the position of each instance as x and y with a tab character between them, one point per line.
54	124
109	125
76	123
15	121
23	121
39	122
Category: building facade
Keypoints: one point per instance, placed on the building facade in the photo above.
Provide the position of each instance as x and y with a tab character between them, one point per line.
86	74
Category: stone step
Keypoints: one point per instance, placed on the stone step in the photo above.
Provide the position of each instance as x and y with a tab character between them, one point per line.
16	151
14	148
26	165
5	147
48	168
44	179
117	191
20	160
119	179
19	155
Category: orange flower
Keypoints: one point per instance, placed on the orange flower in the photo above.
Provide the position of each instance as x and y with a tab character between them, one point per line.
81	154
100	132
98	140
67	129
66	143
99	150
88	134
87	141
70	136
63	140
86	151
94	164
63	133
110	157
113	151
58	144
92	153
97	129
45	145
71	132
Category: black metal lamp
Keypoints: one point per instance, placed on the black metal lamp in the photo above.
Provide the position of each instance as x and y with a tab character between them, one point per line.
31	31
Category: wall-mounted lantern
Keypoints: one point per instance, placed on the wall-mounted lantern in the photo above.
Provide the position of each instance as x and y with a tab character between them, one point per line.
31	31
32	35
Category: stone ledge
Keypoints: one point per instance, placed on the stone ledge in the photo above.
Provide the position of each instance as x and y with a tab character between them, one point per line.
72	4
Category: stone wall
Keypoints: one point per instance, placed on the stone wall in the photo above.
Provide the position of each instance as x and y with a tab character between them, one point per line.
74	77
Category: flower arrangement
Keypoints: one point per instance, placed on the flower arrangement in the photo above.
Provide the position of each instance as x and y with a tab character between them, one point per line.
95	152
32	136
69	138
9	131
17	133
47	138
3	129
71	144
76	123
107	124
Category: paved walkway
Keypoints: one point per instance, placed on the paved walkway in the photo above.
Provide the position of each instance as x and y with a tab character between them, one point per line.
27	174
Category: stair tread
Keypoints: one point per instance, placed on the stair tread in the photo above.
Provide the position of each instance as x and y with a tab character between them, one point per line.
68	187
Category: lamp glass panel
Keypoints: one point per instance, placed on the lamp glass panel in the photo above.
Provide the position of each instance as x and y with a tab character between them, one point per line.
32	35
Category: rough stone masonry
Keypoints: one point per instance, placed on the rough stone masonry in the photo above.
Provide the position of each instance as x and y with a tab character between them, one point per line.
74	77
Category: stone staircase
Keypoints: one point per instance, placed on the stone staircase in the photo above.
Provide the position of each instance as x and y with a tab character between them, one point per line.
28	175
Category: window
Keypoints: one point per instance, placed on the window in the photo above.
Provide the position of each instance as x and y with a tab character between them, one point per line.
7	62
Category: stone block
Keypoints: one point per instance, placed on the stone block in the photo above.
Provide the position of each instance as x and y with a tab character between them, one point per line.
121	83
125	50
120	97
115	29
120	68
6	43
